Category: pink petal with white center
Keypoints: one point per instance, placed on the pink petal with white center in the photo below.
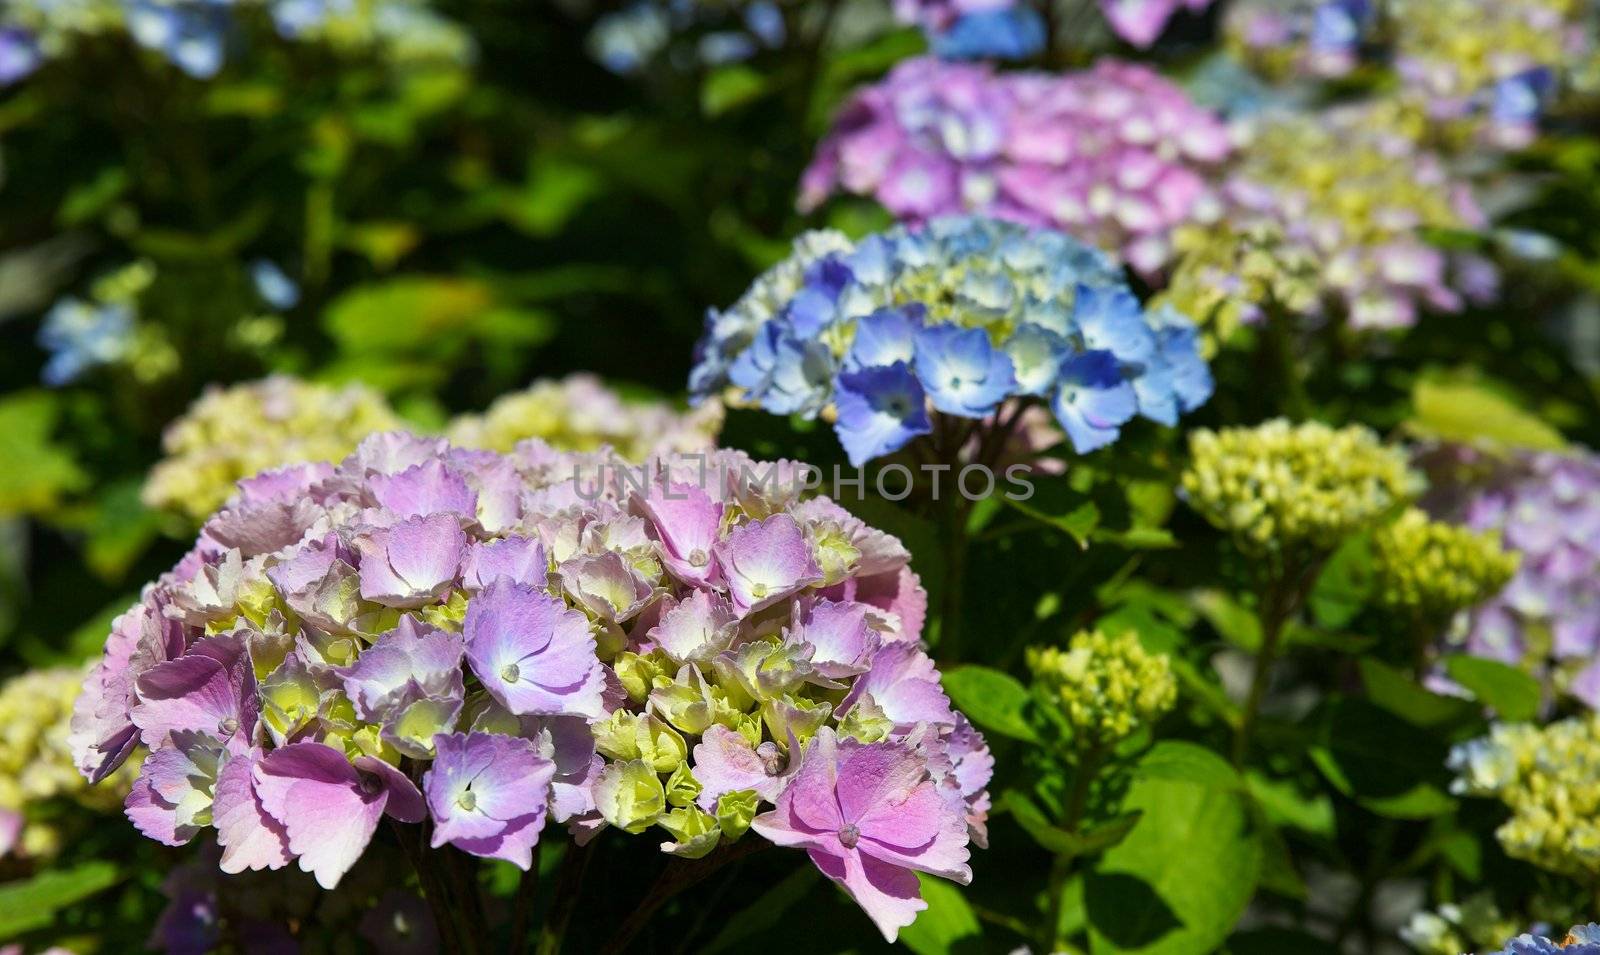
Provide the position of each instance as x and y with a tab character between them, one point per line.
533	654
764	562
725	762
519	559
686	521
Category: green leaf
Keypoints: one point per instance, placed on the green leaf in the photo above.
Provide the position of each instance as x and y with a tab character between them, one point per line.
1344	586
1390	766
993	700
555	191
1057	840
90	200
1232	620
1078	523
1400	695
1186	762
37	473
1511	693
730	87
1285	805
947	920
1181	879
1473	413
32	904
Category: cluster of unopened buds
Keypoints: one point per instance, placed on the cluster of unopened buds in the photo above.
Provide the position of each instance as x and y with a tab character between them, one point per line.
1543	776
1295	489
490	642
1116	154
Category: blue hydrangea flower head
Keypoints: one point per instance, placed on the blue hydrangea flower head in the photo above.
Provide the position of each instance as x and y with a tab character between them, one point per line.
1581	940
887	336
982	316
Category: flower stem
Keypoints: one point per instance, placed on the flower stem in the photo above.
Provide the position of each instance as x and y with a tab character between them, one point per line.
456	925
1279	603
1050	937
569	883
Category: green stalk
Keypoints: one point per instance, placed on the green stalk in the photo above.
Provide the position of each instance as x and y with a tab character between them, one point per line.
1050	937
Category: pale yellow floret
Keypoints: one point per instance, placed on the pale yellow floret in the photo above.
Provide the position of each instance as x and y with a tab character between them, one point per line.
237	432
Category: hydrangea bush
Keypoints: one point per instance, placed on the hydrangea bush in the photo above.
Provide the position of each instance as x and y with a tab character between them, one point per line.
492	643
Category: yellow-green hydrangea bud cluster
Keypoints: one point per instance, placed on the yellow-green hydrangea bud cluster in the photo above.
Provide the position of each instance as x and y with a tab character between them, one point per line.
36	764
1549	777
1281	487
1434	569
239	431
1104	687
579	413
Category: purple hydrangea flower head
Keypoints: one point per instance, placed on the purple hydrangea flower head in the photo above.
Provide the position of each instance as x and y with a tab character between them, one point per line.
662	649
488	795
871	817
1116	154
975	318
1546	507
